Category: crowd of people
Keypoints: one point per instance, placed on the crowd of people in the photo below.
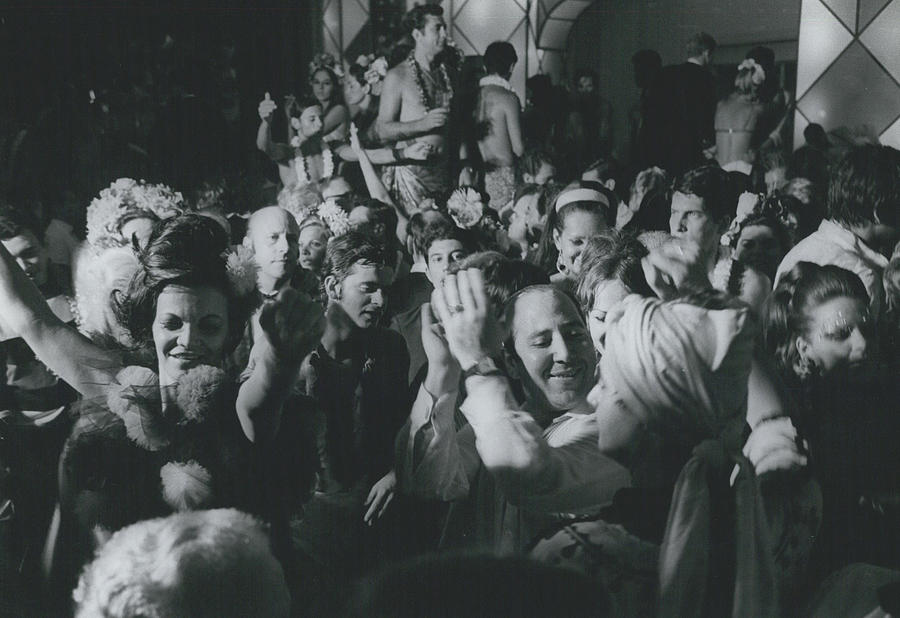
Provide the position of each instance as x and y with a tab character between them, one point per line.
468	363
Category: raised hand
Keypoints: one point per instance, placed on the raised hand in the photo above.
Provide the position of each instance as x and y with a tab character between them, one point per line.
293	325
266	107
464	309
355	145
675	267
437	350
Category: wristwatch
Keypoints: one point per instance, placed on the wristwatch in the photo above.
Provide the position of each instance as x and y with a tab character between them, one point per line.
484	367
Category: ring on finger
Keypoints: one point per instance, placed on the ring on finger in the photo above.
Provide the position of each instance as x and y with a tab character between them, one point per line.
455	309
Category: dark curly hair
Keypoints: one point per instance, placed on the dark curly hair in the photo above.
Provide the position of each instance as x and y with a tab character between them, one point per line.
354	247
186	251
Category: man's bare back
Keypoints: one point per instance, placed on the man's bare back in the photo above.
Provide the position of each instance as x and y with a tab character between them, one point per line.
498	115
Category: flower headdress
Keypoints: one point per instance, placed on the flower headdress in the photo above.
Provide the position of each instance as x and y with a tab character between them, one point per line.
326	61
756	205
376	71
748	204
758	74
300	201
334	217
123	196
466	206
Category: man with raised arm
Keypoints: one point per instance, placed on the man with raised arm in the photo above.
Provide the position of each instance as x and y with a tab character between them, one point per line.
415	105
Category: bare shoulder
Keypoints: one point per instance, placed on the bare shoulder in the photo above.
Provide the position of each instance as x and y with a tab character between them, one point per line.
398	73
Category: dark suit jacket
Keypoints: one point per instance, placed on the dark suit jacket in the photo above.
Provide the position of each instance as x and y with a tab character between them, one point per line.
679	118
407	292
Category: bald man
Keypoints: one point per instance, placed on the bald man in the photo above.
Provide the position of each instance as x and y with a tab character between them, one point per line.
273	235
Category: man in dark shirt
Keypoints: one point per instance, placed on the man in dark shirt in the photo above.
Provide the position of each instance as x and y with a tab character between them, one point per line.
680	111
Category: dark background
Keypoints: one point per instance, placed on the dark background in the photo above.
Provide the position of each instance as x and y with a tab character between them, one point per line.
162	91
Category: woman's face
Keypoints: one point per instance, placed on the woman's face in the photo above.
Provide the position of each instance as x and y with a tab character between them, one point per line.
526	210
190	329
838	337
578	227
312	247
607	296
759	242
311	121
354	92
322	86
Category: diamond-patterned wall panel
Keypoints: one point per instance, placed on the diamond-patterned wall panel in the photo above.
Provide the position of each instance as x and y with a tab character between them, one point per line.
861	86
867	10
854	91
822	38
891	137
882	37
845	10
354	16
482	23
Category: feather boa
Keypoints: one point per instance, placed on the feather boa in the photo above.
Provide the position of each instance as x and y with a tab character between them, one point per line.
135	397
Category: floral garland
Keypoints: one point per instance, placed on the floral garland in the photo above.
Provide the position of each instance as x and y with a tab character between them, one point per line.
135	397
427	102
748	204
300	165
334	217
124	195
466	206
496	80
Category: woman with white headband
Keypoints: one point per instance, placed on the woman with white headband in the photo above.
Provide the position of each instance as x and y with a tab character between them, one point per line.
578	214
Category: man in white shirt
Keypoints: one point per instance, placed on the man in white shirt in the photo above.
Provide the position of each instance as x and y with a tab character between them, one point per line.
550	354
863	221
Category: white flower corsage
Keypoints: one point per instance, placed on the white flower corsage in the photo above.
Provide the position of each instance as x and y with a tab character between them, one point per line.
241	269
334	217
186	486
466	206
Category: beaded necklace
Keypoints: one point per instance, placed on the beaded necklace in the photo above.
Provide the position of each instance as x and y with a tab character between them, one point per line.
442	84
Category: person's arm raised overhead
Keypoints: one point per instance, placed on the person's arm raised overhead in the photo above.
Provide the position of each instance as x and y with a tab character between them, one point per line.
293	324
86	367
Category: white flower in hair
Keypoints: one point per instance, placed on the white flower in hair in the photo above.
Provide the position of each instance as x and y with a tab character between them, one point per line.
364	60
466	206
377	71
241	269
295	141
335	217
758	74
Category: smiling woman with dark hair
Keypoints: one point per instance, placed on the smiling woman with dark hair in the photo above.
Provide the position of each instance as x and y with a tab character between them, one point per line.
165	428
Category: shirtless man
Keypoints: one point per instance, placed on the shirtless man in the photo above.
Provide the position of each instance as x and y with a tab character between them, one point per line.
497	120
415	103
